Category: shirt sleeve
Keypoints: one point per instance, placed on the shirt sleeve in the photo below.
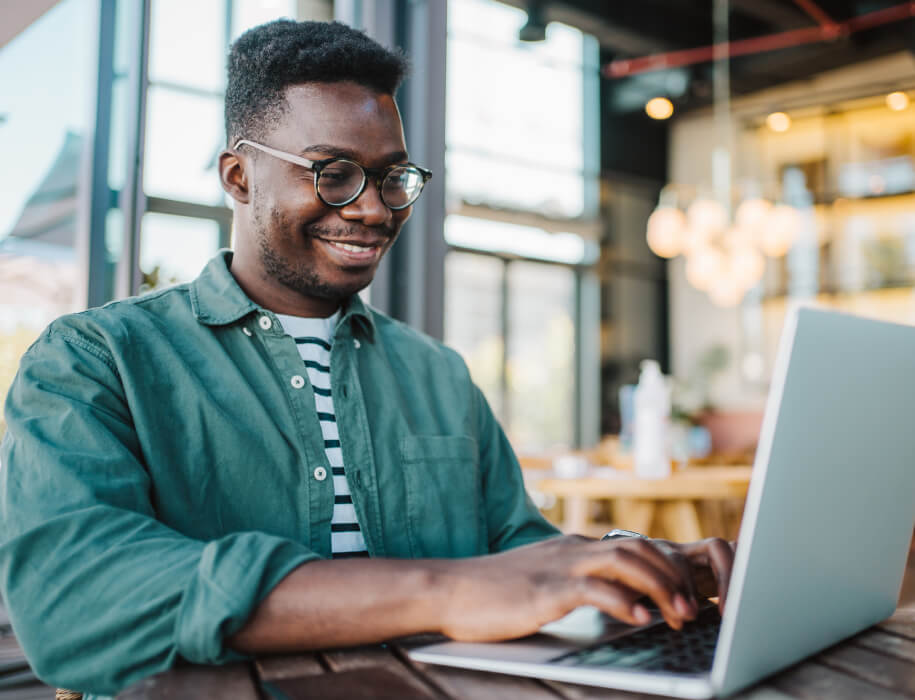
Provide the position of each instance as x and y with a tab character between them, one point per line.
99	592
512	519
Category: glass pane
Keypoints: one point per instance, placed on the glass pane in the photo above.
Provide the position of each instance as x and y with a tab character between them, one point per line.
43	138
187	43
540	366
174	249
508	145
473	325
250	13
184	135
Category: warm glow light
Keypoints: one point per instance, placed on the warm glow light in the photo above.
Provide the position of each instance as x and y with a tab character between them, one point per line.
751	214
897	101
726	290
778	121
703	266
747	264
782	227
659	108
707	215
666	232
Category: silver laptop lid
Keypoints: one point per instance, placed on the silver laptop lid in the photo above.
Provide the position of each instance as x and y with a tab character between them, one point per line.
830	508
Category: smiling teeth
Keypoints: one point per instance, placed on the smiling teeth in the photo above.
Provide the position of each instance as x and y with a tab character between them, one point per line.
351	248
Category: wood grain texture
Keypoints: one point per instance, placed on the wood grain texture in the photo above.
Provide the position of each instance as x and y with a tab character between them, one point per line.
901	623
379	657
878	668
196	683
371	683
886	643
271	668
818	682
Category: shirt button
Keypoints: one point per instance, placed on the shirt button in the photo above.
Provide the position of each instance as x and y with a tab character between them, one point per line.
357	344
246	332
265	322
297	381
320	473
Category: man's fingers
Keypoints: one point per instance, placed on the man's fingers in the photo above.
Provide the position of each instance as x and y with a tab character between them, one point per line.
678	559
718	555
624	566
721	558
615	599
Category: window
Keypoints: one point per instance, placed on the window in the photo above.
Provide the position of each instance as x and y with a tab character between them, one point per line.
521	192
43	138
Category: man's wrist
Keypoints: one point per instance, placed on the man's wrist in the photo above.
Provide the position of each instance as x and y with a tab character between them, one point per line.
618	533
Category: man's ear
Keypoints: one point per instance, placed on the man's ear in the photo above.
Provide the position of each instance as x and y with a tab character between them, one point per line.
233	176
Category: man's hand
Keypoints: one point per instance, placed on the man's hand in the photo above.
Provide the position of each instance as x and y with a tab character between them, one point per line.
513	594
332	603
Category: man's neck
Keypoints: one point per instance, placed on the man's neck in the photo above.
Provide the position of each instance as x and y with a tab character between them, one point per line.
275	297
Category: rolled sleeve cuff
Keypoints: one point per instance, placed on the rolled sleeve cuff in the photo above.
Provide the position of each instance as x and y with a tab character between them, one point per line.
234	575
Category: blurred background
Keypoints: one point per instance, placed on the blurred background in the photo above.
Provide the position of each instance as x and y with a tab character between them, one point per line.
614	181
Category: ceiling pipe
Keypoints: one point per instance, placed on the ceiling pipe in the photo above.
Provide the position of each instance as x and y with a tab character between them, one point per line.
816	13
623	68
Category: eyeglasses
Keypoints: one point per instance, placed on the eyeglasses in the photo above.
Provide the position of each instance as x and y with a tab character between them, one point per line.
339	181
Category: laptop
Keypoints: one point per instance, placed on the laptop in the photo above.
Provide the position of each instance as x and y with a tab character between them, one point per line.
823	542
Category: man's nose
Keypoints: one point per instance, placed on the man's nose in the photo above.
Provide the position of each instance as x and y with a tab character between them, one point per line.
368	207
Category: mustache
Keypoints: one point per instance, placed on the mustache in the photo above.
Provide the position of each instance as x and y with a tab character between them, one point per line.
345	232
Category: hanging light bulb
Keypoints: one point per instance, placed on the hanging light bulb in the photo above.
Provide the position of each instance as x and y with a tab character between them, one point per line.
752	213
726	290
707	215
780	230
666	232
703	266
747	265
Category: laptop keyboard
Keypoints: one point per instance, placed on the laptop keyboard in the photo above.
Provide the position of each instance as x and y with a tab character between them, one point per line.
657	648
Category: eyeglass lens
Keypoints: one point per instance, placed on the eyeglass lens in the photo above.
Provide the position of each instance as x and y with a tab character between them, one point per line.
340	181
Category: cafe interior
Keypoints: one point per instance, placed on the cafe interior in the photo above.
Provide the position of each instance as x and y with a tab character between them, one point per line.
614	183
625	196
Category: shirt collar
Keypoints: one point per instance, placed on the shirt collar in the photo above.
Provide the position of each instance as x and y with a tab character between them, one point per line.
217	300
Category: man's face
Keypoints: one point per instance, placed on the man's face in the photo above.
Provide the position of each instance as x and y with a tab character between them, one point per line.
298	239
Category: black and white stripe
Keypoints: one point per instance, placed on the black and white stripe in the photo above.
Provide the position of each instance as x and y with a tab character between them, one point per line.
313	337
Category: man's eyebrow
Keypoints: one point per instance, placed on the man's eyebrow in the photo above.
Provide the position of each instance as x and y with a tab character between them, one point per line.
338	152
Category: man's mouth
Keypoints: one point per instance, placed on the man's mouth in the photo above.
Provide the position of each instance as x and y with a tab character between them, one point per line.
348	254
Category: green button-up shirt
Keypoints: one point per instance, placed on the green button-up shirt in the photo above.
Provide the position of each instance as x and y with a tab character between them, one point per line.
161	472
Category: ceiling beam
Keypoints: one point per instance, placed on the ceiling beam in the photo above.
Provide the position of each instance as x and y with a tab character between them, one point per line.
776	14
613	37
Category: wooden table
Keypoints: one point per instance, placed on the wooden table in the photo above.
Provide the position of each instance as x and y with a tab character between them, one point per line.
660	507
876	665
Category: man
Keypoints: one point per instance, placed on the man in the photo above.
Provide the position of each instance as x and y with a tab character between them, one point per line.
187	476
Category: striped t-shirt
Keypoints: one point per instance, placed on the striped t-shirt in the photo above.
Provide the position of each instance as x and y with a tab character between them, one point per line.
313	337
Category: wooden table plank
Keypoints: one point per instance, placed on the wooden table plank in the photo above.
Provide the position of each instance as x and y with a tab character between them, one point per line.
274	668
886	643
377	657
368	683
460	683
902	623
196	683
818	682
874	667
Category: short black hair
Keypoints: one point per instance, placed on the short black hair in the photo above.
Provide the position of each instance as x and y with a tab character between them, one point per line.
267	59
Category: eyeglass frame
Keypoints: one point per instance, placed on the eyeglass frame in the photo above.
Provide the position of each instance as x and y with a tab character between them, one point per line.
316	166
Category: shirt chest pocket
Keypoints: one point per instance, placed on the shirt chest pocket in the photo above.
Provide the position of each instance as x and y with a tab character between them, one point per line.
443	496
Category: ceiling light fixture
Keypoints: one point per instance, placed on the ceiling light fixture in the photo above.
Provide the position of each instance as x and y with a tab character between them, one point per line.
535	27
897	101
778	122
659	108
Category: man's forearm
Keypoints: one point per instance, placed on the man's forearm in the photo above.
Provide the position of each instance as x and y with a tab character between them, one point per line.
326	604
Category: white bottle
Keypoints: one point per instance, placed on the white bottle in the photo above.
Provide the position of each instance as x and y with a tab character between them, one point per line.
652	417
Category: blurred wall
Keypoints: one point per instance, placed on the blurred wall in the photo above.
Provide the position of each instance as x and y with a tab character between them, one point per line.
696	323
